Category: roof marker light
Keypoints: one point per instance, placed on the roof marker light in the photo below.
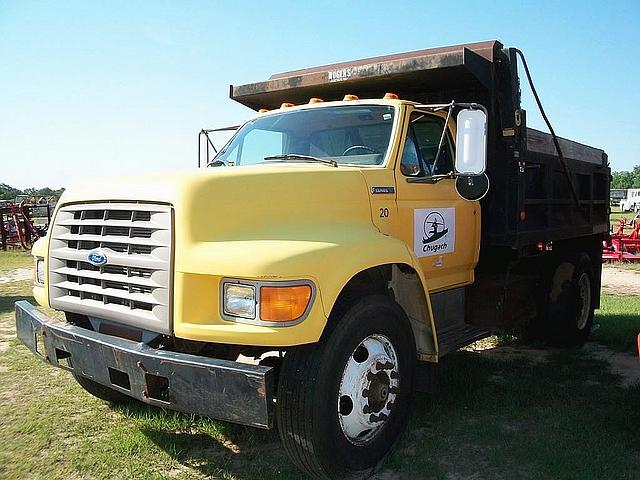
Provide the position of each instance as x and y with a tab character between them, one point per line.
349	96
315	100
391	96
287	105
263	110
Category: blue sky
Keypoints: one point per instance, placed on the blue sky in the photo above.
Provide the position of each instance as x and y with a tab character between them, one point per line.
125	86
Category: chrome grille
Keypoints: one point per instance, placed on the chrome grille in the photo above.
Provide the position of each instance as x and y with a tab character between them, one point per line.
134	286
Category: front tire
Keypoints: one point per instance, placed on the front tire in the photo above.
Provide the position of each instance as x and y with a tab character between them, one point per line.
343	402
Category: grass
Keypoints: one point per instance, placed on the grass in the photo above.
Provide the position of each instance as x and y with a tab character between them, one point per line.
12	259
618	322
487	417
617	215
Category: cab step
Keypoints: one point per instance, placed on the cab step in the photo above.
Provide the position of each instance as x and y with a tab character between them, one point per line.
459	335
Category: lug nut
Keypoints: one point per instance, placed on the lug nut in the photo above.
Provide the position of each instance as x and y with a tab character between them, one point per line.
378	418
384	365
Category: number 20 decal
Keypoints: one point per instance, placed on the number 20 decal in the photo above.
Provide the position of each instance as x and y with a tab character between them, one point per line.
384	212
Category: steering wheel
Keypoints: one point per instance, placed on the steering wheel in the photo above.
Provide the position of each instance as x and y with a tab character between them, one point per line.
362	147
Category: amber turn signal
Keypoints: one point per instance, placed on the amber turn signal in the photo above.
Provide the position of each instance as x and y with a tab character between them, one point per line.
284	304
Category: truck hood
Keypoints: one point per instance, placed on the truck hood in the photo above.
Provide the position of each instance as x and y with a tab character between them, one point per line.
263	202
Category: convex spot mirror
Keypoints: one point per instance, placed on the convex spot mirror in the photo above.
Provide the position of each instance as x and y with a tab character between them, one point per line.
472	188
471	142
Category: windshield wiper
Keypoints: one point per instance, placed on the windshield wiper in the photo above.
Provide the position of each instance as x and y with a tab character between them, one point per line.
298	156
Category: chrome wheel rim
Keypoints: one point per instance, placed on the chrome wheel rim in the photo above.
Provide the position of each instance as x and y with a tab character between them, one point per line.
368	389
584	300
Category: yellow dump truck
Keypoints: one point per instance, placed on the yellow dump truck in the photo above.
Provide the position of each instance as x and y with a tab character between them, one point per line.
369	218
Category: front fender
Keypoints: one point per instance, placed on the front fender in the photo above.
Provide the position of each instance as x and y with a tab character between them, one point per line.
329	257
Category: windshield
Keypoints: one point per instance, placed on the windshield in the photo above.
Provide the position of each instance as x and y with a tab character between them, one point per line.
348	135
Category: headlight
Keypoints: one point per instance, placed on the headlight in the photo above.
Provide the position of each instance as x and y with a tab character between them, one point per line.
267	302
239	300
39	271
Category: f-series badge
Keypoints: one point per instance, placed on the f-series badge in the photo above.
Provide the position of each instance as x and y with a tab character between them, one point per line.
382	190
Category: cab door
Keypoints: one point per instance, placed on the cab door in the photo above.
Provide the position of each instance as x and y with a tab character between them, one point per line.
442	229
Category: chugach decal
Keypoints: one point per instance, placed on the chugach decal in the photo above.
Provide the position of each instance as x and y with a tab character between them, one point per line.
434	231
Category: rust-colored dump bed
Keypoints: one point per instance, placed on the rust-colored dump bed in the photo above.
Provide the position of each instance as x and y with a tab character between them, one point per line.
407	74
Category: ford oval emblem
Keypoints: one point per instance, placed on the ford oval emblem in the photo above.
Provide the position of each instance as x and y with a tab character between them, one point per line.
97	258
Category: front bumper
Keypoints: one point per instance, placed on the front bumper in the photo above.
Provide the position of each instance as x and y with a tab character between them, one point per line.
220	389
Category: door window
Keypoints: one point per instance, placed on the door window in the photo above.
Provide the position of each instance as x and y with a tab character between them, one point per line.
421	147
410	163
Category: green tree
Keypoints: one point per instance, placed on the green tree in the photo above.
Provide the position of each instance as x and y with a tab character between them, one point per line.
8	192
622	180
636	176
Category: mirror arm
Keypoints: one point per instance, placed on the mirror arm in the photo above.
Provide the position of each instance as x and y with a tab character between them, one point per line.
444	133
437	107
431	178
209	142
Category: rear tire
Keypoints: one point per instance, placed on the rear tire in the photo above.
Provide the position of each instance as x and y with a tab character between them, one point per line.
572	302
103	393
343	402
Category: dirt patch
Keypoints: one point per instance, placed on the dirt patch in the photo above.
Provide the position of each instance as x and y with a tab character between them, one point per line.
620	281
17	275
7	333
626	366
489	348
622	364
533	355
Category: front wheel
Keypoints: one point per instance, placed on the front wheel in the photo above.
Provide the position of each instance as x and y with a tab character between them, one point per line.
342	403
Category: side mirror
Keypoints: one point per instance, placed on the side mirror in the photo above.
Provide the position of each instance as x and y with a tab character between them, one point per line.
471	142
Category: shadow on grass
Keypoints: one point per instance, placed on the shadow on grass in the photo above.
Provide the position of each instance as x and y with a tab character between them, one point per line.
7	302
246	454
216	449
564	417
619	331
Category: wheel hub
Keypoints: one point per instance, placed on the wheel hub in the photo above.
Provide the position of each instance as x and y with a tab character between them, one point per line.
378	391
368	389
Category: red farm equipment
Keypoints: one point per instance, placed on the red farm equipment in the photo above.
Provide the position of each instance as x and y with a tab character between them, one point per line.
17	226
621	246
